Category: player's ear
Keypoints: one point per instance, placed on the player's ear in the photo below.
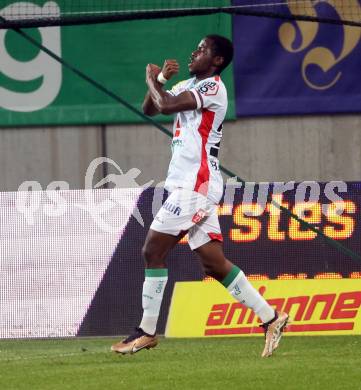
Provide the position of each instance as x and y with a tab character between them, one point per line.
218	61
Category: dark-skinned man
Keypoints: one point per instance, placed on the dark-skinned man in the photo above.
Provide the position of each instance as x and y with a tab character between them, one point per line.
195	185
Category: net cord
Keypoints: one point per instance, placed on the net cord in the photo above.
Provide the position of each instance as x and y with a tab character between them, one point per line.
41	21
352	254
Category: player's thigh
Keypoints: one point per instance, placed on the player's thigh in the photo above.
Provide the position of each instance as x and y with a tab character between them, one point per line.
157	246
205	238
206	229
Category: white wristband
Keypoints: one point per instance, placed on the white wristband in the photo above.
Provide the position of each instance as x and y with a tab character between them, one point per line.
161	78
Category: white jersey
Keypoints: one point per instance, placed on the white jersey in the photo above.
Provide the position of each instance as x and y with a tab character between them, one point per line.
196	139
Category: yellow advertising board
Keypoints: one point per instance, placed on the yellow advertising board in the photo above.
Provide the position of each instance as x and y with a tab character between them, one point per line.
316	307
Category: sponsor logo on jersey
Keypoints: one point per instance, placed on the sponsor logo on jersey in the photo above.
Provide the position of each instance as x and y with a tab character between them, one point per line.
177	142
208	88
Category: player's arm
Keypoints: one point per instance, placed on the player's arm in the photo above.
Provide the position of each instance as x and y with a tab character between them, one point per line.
170	68
148	106
164	102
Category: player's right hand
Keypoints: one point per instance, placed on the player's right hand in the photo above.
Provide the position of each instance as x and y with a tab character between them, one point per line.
170	68
151	72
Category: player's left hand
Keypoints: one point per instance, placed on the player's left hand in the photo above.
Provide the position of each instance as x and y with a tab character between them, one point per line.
170	68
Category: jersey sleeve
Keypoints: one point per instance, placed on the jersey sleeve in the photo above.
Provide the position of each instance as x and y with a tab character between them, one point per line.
210	93
176	89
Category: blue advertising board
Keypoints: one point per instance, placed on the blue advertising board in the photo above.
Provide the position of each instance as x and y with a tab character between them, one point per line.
296	67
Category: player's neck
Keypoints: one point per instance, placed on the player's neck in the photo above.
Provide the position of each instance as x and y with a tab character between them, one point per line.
205	75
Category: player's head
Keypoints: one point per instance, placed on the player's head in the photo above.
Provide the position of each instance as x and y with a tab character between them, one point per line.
214	54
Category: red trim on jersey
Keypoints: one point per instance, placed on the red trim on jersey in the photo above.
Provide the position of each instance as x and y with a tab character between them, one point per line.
200	98
216	236
217	78
177	131
203	173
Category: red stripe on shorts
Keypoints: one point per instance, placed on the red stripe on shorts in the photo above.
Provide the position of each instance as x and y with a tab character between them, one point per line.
216	236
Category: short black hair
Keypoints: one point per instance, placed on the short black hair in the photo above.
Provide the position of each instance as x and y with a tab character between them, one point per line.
222	47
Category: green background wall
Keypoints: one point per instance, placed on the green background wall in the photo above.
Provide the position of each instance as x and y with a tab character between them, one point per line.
115	55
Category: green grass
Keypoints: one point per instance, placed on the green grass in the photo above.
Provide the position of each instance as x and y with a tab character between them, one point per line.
329	363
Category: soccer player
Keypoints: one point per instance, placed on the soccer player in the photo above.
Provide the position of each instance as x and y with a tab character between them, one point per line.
195	185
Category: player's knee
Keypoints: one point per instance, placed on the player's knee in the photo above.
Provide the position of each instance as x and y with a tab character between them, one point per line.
208	270
216	270
215	274
152	256
147	252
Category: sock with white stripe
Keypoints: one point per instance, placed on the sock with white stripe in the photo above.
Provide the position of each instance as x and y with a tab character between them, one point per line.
153	289
242	290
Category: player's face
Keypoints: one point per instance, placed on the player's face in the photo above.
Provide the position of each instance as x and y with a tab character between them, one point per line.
202	58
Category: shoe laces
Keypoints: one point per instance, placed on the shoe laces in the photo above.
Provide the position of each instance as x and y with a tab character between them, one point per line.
267	324
138	332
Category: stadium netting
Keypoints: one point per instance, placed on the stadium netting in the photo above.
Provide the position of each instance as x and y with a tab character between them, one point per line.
64	12
113	307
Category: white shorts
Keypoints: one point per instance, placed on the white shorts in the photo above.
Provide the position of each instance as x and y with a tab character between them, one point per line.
189	211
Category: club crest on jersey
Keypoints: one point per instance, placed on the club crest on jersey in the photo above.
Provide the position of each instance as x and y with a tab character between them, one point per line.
198	216
172	208
208	88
